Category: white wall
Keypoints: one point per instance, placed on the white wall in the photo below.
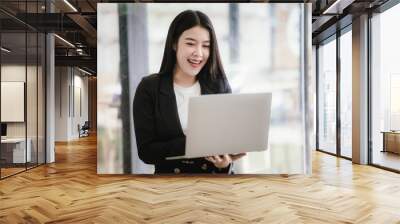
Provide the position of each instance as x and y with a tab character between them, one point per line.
17	73
61	103
33	125
79	111
71	94
12	73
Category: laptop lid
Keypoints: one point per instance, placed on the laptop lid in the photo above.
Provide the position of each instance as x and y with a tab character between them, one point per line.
227	124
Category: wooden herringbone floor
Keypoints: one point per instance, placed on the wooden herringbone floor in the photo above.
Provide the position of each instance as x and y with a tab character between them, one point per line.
70	191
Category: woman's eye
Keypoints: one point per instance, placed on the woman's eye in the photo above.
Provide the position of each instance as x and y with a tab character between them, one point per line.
206	46
190	44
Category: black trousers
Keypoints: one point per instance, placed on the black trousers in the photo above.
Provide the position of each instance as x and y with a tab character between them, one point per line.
189	166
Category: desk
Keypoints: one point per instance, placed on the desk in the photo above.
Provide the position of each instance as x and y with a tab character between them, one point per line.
391	141
15	148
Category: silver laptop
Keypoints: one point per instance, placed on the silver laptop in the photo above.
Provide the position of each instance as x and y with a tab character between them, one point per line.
227	124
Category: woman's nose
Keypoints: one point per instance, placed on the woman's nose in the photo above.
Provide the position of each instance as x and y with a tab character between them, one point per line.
198	51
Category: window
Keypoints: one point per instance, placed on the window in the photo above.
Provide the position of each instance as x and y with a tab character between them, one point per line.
327	96
345	94
22	65
385	87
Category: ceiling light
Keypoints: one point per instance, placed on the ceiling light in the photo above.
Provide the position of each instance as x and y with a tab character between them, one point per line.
65	41
84	71
70	5
337	7
5	50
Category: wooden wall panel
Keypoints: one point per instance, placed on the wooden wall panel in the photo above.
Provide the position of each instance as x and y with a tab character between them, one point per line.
93	103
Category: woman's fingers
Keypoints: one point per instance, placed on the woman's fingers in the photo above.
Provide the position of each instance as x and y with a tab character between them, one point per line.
210	159
217	159
213	159
237	156
223	160
227	158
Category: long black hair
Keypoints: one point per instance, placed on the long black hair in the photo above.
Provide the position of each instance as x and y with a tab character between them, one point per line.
213	69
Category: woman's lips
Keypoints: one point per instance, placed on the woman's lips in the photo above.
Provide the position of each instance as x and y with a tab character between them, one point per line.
194	63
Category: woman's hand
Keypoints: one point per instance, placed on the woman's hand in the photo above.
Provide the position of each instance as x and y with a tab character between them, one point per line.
225	160
235	157
220	161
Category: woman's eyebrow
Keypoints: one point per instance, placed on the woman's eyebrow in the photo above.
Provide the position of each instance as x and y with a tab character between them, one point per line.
192	39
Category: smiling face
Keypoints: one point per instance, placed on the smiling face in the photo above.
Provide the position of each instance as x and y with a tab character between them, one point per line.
192	50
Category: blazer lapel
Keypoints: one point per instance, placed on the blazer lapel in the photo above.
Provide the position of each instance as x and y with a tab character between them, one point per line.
167	105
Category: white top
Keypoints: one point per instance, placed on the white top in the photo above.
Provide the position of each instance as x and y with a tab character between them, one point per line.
182	95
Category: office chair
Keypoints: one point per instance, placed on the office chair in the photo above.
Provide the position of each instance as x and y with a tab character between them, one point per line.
84	130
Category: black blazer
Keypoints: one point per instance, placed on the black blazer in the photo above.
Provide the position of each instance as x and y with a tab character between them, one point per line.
157	127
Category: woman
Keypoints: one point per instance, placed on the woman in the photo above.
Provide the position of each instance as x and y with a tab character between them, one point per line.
191	66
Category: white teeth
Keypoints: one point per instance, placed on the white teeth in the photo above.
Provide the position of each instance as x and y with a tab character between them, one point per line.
194	62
